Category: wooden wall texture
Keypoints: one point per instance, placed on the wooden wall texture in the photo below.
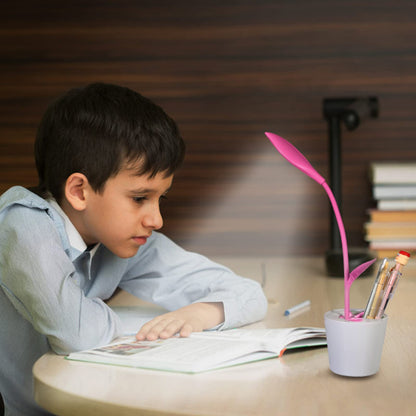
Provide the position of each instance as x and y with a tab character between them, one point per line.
226	71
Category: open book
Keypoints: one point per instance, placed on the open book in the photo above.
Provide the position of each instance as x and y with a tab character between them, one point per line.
203	351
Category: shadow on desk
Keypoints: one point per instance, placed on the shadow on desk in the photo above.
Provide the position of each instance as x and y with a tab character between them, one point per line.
1	406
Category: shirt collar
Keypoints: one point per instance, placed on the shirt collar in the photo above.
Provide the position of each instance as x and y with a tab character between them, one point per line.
74	237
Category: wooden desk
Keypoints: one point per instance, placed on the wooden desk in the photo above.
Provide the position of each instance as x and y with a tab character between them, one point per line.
299	383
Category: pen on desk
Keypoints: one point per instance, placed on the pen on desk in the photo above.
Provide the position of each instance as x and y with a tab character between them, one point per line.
371	307
297	307
395	273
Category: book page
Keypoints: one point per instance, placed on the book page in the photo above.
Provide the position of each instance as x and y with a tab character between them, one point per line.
201	351
175	354
271	338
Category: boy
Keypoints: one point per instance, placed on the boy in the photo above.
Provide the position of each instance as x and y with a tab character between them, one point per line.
105	157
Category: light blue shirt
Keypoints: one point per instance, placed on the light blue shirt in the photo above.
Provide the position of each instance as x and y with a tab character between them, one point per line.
53	289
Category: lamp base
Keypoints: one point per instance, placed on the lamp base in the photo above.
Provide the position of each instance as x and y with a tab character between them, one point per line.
335	263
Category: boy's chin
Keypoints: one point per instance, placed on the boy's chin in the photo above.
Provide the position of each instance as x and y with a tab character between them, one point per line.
126	253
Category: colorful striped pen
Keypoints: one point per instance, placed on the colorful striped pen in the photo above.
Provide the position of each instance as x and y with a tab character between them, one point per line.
395	273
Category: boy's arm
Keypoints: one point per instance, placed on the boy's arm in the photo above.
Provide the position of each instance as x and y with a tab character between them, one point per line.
165	274
191	318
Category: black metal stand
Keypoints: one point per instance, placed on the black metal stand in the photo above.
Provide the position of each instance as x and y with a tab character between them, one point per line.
350	111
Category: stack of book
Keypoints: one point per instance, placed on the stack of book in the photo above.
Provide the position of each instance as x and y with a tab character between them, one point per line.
392	224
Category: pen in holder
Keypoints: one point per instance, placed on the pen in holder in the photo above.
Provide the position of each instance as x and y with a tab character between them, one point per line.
348	327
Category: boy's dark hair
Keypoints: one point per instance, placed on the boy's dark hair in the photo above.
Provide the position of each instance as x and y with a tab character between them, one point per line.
97	130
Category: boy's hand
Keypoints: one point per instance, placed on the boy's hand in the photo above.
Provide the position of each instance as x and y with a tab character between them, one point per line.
192	318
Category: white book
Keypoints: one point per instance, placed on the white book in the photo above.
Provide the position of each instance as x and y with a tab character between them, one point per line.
203	351
393	172
394	191
396	204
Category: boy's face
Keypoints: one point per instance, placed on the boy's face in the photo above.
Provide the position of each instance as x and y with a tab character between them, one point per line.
125	213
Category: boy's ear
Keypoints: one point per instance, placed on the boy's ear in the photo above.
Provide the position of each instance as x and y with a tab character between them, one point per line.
76	189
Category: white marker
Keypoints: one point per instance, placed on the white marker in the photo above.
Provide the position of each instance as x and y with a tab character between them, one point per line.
297	307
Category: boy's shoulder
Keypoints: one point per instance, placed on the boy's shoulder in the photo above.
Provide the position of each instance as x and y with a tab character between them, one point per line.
19	204
18	195
25	214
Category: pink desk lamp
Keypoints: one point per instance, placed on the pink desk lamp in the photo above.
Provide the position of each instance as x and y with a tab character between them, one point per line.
296	158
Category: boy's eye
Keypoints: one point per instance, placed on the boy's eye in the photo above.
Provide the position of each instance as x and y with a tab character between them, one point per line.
139	199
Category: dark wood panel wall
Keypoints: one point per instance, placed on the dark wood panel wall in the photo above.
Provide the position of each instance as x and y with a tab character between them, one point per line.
226	71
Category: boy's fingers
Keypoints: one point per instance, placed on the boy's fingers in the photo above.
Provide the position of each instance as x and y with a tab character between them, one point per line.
171	329
165	331
186	330
164	328
149	329
170	324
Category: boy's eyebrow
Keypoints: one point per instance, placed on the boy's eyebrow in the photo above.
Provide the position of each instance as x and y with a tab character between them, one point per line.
149	190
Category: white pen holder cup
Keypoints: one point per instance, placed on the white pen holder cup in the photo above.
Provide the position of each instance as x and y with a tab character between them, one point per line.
354	347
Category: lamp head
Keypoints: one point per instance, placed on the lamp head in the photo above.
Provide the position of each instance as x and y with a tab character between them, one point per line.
294	156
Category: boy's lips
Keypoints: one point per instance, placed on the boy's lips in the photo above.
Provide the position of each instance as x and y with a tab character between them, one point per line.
141	239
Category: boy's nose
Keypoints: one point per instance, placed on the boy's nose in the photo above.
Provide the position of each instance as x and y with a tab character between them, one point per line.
153	219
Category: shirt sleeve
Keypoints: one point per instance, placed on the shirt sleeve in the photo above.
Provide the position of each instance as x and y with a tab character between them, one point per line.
41	282
165	274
